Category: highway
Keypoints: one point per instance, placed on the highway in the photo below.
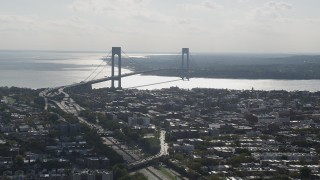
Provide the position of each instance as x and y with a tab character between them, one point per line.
152	173
68	105
163	152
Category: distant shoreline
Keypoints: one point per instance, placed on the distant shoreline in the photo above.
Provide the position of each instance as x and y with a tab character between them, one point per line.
170	74
297	67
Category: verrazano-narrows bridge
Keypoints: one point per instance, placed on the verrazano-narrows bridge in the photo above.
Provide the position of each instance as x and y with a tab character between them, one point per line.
183	70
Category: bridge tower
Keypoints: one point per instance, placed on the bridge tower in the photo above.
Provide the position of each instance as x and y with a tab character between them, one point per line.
116	51
185	68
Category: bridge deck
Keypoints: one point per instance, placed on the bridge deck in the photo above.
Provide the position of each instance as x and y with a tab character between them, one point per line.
123	75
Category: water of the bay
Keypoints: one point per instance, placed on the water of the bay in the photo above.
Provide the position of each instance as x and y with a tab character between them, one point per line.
41	69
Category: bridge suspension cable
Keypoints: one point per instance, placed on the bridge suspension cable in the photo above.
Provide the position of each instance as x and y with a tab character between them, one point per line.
194	63
96	68
130	61
101	70
181	71
134	61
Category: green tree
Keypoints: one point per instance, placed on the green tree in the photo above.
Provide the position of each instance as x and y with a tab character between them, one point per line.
119	171
251	118
19	160
305	173
179	156
53	117
89	115
237	160
151	145
136	176
4	149
195	166
281	177
215	177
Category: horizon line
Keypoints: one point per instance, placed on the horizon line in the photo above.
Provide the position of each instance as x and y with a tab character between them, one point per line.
159	52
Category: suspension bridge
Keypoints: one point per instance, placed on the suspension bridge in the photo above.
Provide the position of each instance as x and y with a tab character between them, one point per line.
182	71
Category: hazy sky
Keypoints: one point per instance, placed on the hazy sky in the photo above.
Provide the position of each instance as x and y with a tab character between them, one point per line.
161	25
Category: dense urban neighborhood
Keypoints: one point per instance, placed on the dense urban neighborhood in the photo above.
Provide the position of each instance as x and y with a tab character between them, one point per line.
80	133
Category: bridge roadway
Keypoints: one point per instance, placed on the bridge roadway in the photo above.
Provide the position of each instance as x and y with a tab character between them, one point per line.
95	81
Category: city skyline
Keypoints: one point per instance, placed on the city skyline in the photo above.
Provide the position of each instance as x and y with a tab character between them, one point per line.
243	26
